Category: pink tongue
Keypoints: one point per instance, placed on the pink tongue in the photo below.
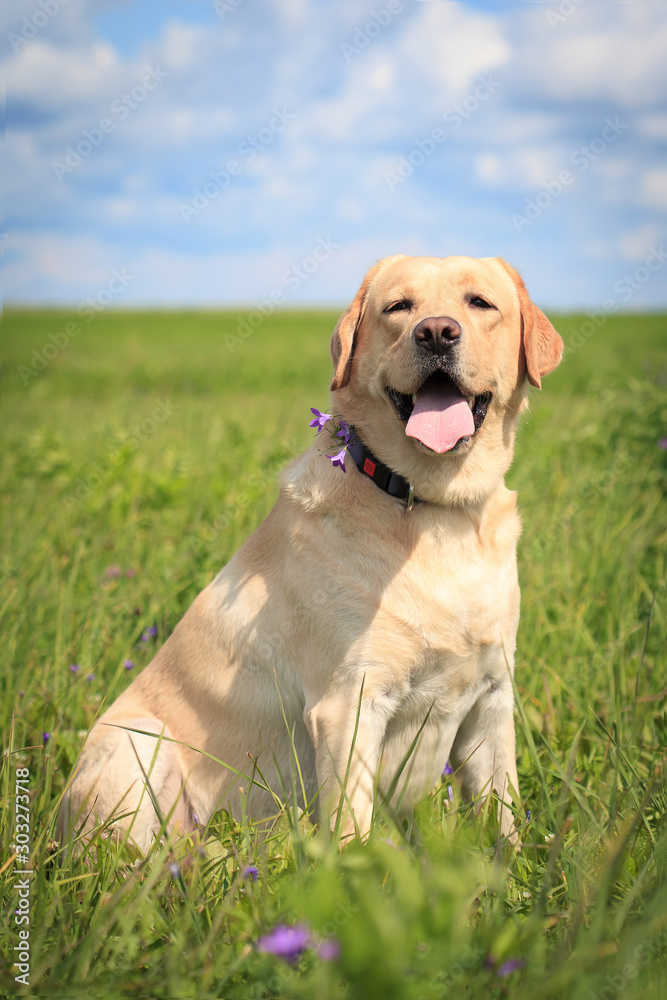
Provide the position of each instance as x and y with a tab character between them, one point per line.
441	416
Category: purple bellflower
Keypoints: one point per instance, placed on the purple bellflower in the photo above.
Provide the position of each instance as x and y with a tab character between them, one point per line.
338	459
329	949
510	966
321	419
288	943
344	433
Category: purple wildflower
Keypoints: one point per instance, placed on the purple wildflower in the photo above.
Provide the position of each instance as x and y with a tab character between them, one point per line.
45	738
251	872
74	667
329	949
450	793
510	966
90	677
129	665
113	572
344	432
175	870
528	815
448	770
144	637
321	419
662	443
338	460
152	631
286	942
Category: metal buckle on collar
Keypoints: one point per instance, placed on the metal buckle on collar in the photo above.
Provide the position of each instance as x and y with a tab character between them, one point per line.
411	497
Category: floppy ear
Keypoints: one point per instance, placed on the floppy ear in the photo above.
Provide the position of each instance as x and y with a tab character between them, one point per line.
542	345
343	340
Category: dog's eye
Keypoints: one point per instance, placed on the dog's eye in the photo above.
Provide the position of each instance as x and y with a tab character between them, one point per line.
480	303
398	306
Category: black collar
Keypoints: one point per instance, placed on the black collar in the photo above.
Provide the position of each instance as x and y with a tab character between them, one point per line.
381	474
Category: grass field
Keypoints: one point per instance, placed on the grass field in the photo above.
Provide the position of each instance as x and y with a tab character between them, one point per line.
133	465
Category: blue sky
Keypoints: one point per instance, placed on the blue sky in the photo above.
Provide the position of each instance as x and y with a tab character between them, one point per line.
205	149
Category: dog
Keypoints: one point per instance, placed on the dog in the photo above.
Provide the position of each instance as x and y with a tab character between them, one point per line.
367	628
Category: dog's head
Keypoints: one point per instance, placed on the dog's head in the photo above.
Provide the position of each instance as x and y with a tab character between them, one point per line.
431	361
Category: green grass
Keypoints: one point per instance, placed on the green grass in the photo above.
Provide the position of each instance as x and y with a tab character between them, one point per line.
111	525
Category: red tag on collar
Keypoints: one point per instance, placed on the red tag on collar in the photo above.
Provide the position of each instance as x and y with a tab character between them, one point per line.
369	467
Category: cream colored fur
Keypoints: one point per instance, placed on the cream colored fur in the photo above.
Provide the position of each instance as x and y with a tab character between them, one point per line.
341	587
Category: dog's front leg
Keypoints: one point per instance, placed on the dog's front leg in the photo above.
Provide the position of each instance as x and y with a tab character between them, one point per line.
485	752
347	731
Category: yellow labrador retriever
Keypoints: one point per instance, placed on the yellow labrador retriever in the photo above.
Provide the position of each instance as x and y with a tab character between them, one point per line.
372	606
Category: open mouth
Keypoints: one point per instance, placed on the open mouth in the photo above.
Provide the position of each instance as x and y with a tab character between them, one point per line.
439	414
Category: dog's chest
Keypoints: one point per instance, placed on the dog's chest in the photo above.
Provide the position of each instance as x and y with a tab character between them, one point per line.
453	595
445	621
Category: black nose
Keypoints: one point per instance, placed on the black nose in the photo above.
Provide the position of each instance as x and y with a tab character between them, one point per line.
436	334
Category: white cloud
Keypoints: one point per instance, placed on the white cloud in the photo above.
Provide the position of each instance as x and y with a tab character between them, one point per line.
488	167
64	266
653	126
326	170
603	52
405	79
636	244
521	167
451	45
295	12
52	78
616	167
653	190
180	45
513	125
